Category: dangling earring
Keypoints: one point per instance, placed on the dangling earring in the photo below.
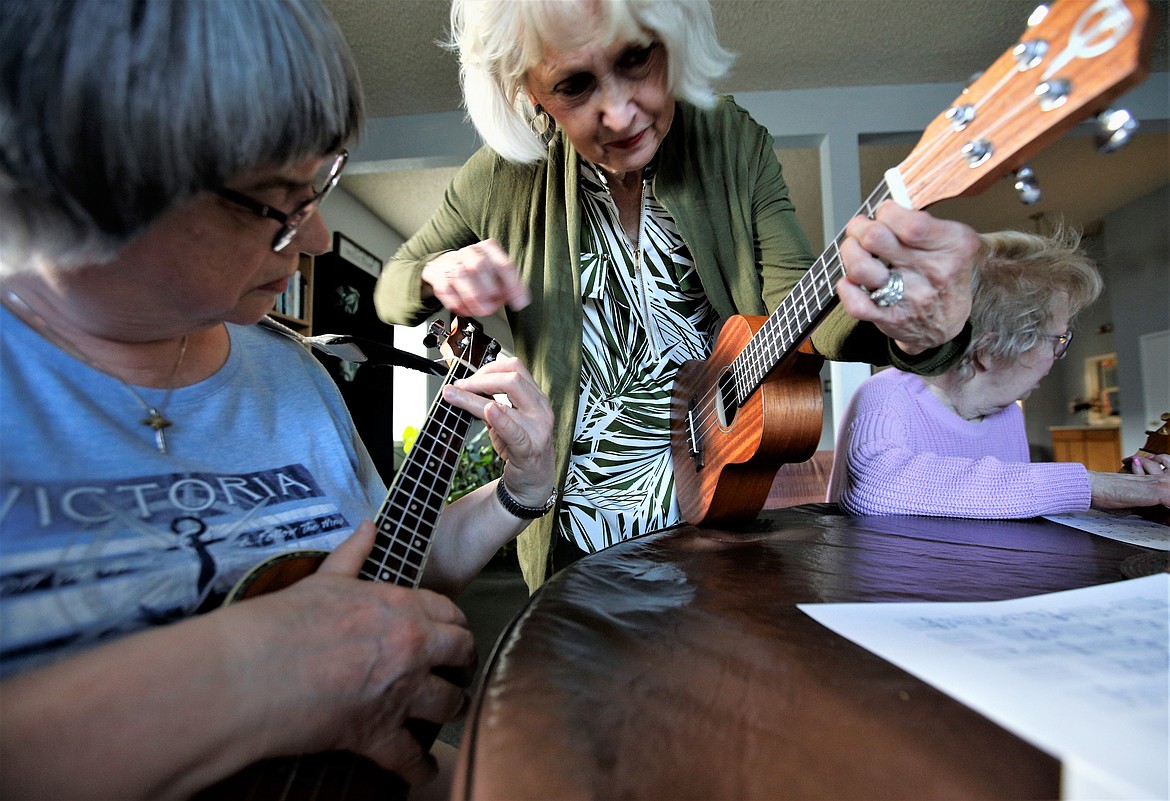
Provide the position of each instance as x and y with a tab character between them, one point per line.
544	127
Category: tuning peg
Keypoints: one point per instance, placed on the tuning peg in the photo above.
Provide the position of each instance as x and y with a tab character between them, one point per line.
1038	15
977	151
1029	54
436	333
960	116
1053	94
1027	186
1115	127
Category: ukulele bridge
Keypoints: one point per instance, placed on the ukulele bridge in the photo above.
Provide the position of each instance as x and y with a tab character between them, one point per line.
694	439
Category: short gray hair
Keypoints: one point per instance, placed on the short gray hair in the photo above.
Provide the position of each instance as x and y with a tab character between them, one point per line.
1015	283
113	112
498	41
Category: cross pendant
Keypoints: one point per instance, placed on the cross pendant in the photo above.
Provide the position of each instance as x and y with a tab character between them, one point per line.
157	422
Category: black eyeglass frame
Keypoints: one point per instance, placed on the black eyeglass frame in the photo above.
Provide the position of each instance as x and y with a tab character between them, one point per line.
1060	347
289	223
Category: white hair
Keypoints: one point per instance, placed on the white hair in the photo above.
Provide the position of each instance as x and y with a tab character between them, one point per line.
499	41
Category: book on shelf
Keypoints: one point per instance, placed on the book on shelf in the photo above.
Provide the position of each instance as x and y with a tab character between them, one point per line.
291	302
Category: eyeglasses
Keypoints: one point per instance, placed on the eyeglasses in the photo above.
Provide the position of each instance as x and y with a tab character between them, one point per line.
1060	346
289	223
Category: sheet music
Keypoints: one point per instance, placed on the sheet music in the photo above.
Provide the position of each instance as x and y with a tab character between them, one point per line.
1126	528
1081	674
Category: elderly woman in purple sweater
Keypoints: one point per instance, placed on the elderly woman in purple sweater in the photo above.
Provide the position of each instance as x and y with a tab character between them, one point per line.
954	445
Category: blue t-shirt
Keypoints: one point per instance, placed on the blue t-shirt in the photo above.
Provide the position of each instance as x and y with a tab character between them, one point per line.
102	535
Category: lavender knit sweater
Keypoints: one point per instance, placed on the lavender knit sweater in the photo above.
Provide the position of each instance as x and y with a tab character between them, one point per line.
901	451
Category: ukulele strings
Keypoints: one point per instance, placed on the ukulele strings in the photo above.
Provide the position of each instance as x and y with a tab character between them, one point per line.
783	326
768	344
340	770
761	347
444	418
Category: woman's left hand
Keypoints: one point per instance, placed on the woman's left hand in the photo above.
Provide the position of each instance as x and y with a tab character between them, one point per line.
521	429
1156	465
934	258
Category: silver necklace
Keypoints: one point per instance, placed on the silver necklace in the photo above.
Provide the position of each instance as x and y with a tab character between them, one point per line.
156	418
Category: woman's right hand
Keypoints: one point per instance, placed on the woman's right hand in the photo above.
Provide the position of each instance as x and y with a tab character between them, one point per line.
475	281
934	257
331	662
357	660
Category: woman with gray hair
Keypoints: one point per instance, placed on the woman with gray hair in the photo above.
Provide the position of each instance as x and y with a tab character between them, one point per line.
954	445
621	211
161	164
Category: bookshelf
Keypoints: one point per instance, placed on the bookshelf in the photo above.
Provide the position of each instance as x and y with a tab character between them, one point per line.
294	307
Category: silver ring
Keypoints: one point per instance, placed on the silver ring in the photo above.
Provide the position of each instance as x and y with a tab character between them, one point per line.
891	293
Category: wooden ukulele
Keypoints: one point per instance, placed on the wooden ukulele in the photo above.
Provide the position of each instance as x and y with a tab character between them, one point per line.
755	403
405	526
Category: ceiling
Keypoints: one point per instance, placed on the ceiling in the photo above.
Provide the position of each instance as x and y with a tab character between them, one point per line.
781	45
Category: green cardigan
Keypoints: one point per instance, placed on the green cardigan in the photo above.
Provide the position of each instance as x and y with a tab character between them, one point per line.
717	175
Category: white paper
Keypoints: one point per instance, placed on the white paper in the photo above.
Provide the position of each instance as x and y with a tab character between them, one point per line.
1126	528
1081	674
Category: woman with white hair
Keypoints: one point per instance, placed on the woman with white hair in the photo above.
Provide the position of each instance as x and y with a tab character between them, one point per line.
621	211
954	445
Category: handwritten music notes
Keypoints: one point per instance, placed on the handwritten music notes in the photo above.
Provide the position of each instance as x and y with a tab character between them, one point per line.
1126	528
1081	674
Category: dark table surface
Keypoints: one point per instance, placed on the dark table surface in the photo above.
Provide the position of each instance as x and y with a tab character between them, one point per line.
677	665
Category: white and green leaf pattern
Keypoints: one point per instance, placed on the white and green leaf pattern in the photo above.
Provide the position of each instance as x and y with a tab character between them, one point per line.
645	314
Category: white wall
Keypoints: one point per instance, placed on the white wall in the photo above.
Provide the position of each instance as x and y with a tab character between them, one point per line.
1137	244
342	212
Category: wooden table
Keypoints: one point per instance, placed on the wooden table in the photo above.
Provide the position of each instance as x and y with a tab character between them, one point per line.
677	666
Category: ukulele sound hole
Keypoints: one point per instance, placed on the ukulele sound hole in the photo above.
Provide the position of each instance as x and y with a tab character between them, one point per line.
726	401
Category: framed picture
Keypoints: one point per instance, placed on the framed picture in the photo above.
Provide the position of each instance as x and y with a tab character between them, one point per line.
1101	388
355	254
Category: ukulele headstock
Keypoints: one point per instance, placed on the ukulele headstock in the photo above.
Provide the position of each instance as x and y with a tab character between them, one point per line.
466	345
1075	57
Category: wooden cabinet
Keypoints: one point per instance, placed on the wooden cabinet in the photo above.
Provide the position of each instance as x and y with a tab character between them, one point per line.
294	307
1096	447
